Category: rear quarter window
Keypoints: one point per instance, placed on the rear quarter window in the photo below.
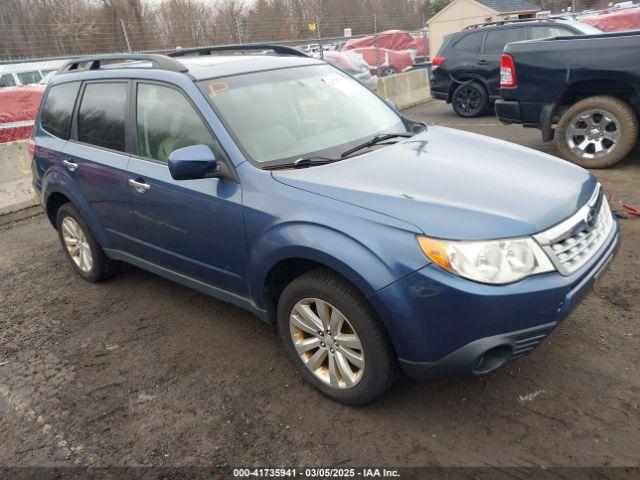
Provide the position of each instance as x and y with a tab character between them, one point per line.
58	109
469	43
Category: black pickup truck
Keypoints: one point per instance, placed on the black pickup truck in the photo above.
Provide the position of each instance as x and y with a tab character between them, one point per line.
584	91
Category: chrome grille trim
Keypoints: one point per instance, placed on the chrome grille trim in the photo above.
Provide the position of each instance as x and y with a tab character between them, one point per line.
575	241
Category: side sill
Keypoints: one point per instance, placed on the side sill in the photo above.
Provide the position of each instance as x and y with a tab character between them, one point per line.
190	282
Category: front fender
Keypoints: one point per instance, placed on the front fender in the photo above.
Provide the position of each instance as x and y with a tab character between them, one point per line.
56	180
352	258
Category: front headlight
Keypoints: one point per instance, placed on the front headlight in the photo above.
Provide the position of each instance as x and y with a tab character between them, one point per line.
493	261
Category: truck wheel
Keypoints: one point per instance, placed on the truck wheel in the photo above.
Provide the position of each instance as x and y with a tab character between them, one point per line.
86	256
597	132
334	339
470	100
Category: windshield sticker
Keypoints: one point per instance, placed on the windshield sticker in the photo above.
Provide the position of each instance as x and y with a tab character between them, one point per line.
339	82
217	87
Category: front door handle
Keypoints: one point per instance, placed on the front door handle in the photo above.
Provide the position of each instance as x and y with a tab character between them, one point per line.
140	187
72	166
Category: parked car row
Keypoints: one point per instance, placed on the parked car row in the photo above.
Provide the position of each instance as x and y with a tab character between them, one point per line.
27	73
466	70
537	74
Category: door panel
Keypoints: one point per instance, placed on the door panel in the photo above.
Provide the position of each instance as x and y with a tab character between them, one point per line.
462	56
95	158
102	177
194	227
190	226
488	62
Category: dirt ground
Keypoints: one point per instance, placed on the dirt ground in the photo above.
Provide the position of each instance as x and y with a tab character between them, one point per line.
142	371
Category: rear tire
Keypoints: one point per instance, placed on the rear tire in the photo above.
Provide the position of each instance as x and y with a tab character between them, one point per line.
470	100
597	132
349	333
86	256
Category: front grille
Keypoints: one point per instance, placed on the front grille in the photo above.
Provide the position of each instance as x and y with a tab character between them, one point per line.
576	250
530	340
575	241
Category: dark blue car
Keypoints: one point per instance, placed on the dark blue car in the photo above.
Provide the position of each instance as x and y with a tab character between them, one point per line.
278	183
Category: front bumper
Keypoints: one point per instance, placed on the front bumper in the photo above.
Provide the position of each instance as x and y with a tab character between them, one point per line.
441	324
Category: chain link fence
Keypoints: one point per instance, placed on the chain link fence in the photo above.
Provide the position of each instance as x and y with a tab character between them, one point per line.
315	36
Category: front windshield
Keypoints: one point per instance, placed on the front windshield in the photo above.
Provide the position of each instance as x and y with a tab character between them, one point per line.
281	115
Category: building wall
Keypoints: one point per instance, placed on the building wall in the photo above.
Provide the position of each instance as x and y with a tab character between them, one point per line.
459	14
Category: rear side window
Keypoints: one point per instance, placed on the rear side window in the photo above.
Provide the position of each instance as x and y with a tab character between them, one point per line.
27	78
101	118
497	39
7	80
544	32
469	43
58	109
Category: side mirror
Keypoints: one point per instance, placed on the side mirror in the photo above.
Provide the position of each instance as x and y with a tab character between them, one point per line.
193	162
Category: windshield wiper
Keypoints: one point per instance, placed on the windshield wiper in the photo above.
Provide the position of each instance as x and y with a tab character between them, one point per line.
303	162
375	140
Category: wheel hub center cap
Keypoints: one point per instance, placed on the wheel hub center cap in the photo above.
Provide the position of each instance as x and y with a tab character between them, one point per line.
595	133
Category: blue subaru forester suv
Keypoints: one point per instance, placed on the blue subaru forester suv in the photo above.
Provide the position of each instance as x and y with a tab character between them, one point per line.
278	183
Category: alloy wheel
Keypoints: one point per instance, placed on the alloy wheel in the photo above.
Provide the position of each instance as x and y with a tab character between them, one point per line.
77	245
593	133
468	100
327	343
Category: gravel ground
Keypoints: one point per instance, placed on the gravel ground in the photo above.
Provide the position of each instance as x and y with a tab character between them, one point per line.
141	371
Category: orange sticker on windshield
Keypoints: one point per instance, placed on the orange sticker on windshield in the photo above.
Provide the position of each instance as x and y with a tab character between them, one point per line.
217	87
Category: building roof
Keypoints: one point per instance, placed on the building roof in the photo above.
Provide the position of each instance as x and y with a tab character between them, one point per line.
510	6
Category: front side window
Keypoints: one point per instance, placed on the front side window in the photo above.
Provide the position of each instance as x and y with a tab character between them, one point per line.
469	43
281	115
58	109
497	39
166	121
101	118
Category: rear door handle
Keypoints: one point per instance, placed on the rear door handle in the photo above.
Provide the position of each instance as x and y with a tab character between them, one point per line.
140	187
72	166
482	62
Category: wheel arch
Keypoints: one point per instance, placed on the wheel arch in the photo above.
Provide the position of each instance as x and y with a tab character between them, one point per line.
289	250
60	190
469	77
579	90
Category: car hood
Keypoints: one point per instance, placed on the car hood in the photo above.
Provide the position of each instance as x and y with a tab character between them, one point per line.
453	184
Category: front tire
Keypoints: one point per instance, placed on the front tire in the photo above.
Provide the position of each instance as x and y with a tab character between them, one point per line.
86	256
470	100
597	132
334	339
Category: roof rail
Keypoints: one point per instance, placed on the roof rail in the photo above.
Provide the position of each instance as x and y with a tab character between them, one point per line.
517	20
278	49
161	62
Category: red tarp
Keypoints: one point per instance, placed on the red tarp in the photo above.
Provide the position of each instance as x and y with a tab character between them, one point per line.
398	61
18	108
396	40
627	19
